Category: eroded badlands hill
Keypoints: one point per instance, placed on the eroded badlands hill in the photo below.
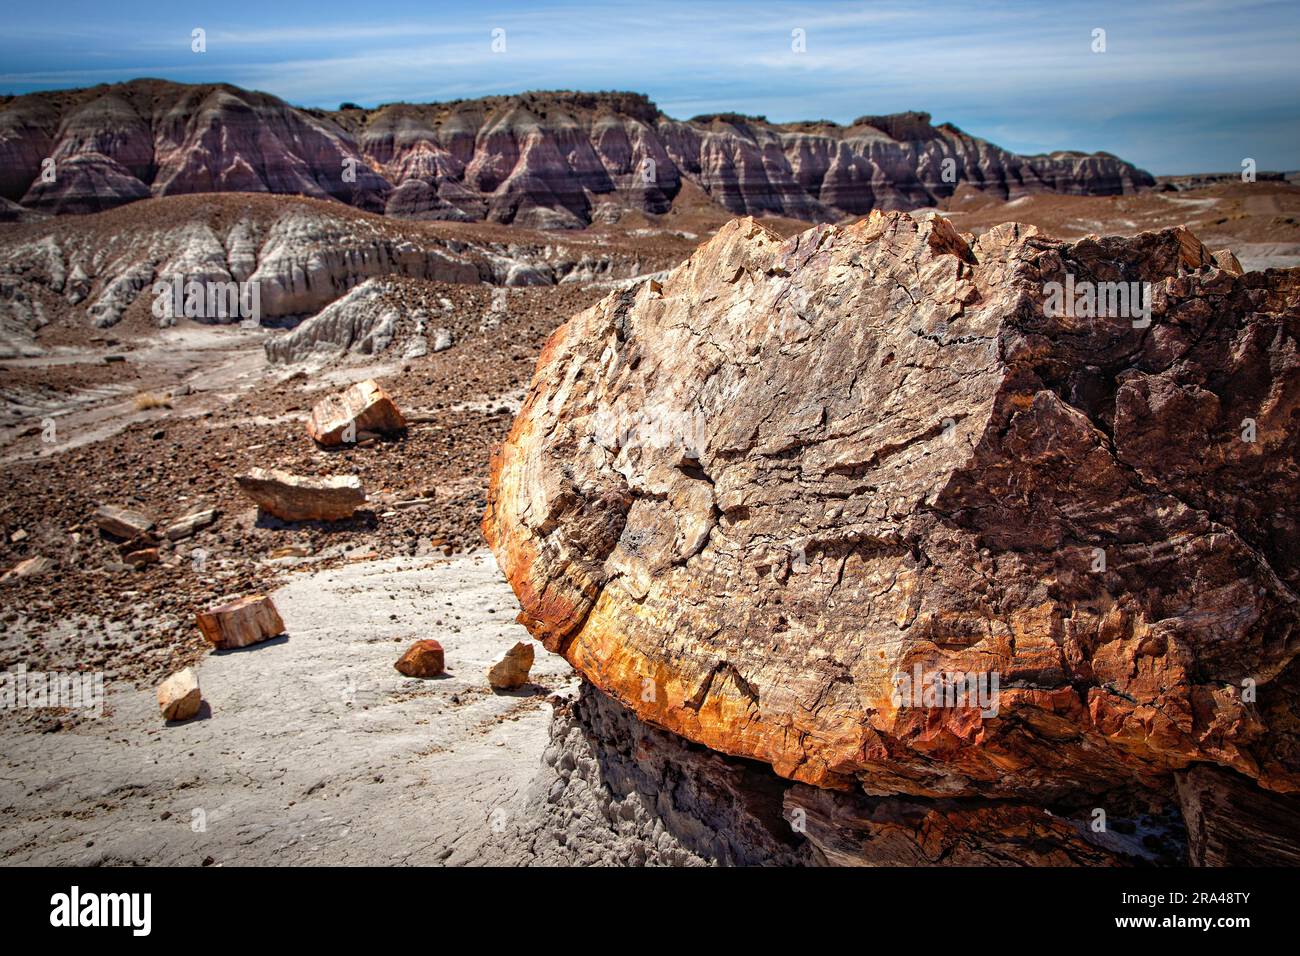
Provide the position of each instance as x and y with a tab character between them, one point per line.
556	159
98	272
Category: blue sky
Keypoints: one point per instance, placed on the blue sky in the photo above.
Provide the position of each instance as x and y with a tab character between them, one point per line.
1183	86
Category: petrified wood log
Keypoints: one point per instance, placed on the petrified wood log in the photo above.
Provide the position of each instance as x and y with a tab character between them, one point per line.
755	501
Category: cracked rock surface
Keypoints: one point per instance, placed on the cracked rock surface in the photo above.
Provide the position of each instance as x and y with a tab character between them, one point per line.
742	500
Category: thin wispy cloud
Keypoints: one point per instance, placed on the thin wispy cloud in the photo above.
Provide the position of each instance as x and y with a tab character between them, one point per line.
1183	85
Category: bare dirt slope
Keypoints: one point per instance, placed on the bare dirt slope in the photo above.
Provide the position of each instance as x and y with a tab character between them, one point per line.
1259	222
225	409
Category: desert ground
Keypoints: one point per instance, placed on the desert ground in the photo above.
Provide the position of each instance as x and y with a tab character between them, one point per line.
312	748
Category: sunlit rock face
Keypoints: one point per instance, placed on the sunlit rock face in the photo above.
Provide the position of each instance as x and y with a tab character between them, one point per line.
764	502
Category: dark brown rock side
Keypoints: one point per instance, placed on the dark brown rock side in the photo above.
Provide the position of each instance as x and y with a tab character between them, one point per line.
615	791
534	159
744	500
855	830
1231	822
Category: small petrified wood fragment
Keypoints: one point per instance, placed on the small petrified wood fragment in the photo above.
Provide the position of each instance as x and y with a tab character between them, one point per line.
356	411
239	623
300	497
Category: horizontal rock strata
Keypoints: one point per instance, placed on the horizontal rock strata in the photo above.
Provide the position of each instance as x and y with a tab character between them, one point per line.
546	160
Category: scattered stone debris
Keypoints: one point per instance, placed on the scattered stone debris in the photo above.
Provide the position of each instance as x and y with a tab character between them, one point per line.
510	670
442	340
248	620
363	408
422	659
57	479
179	697
18	537
298	498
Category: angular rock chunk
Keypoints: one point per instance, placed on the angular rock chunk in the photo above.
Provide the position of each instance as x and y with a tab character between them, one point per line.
28	568
510	670
766	505
247	620
179	696
122	522
364	407
422	659
141	557
298	498
190	523
1228	262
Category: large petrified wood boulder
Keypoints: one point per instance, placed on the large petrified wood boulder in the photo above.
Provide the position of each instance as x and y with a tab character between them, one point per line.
754	501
